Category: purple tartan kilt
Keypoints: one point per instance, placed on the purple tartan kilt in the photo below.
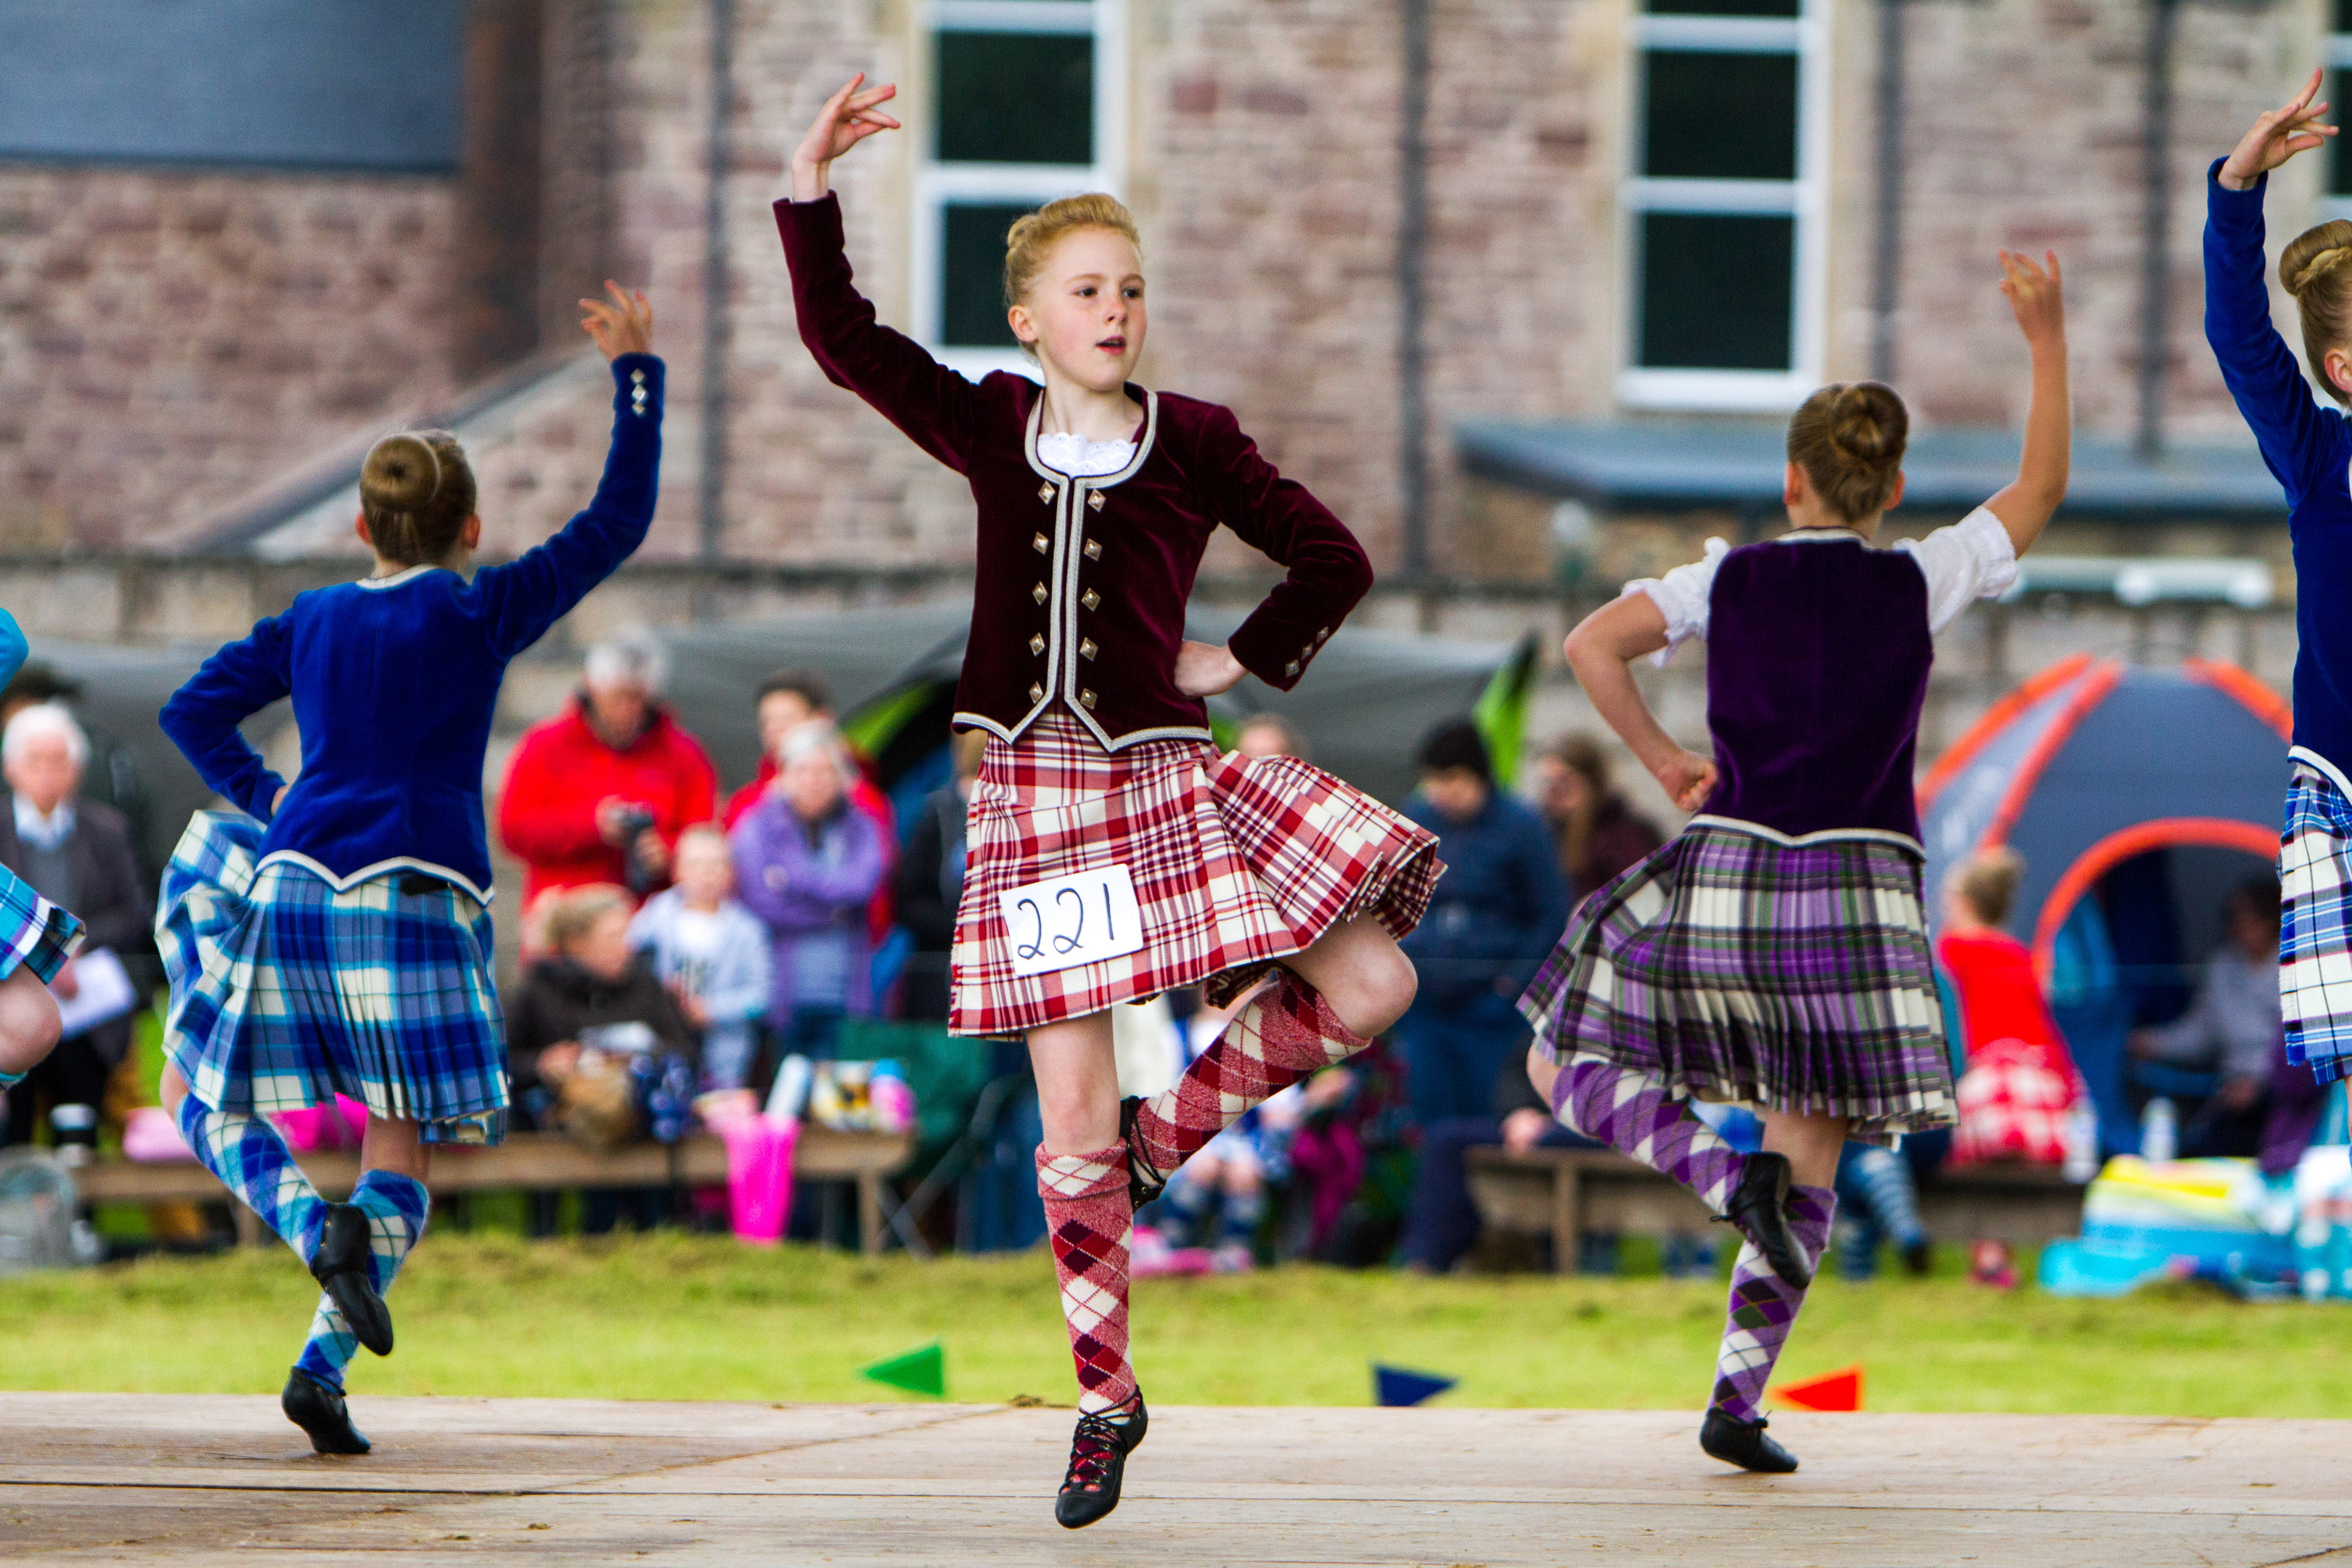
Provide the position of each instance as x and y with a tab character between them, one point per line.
1738	967
2316	924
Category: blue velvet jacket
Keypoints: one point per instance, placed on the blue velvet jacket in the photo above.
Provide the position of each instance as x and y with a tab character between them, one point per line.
395	682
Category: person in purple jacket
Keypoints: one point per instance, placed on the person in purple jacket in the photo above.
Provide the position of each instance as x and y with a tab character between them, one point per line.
1113	853
332	936
2307	448
1776	952
807	861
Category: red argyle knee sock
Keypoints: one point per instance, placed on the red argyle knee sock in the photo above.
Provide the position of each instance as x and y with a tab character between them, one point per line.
1090	1221
1764	1306
1286	1033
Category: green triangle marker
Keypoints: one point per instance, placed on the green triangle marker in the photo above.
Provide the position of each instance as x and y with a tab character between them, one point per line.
923	1371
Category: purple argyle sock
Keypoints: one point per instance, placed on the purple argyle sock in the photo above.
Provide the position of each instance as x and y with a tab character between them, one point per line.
1764	1306
1632	1113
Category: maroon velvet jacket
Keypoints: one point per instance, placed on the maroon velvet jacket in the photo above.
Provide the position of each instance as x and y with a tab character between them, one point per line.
1083	582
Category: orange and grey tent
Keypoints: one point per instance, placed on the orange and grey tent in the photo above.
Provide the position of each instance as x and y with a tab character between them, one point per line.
2094	763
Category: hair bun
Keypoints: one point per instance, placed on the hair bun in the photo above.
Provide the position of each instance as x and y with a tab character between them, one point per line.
1868	425
402	473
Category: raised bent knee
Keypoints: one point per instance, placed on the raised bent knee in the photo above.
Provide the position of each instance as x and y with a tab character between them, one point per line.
28	1021
1382	989
1542	1072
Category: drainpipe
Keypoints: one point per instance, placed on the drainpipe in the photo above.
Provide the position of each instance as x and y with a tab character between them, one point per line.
2156	271
1412	245
1887	251
710	525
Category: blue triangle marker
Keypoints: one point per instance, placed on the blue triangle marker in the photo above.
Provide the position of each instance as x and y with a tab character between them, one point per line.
1394	1386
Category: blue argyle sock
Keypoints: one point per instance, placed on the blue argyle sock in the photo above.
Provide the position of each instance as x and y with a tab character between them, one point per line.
246	1153
395	1206
10	1079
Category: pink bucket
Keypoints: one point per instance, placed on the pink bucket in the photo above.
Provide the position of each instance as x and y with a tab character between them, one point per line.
338	1125
759	1176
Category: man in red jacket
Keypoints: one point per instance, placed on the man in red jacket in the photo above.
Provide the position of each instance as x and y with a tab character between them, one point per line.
787	700
599	792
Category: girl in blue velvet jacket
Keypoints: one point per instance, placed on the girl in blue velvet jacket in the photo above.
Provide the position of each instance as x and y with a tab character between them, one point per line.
2307	447
331	936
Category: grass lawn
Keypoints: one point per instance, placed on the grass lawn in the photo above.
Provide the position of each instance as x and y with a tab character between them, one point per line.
672	1316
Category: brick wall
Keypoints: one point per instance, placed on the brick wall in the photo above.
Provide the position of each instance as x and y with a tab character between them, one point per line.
167	340
170	343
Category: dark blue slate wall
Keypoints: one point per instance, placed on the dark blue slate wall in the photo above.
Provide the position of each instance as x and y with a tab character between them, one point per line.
333	84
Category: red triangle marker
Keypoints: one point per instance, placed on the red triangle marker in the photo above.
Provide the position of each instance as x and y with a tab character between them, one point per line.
1833	1391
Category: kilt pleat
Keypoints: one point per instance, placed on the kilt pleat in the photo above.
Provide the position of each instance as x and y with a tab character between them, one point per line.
1237	861
287	992
1738	967
2315	925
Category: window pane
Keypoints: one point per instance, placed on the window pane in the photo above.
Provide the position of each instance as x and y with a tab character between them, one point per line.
1716	291
1741	7
1016	98
972	274
1719	117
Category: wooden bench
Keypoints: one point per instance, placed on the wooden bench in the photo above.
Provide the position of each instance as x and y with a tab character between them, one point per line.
1570	1193
538	1162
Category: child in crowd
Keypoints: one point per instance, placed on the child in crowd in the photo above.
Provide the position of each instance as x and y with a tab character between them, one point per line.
1776	952
712	952
333	935
1096	500
2307	448
2020	1090
37	938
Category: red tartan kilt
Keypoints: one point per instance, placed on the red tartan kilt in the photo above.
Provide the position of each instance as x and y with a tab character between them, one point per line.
2014	1100
1236	861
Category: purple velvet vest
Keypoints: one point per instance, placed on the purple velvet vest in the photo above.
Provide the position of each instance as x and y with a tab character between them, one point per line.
1816	658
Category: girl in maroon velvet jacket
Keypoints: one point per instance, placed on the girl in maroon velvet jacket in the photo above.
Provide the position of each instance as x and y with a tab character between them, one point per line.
1113	852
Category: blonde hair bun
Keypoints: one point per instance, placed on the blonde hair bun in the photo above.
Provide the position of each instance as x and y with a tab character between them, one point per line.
1849	439
417	491
401	474
2313	270
1031	239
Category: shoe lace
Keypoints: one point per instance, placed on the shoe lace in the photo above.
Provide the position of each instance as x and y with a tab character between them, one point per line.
1092	1448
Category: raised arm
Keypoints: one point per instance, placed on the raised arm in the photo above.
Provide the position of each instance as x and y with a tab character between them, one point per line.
202	717
2038	300
1329	571
1601	650
521	599
934	406
2300	442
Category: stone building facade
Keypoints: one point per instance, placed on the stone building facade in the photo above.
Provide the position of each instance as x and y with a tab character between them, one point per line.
176	343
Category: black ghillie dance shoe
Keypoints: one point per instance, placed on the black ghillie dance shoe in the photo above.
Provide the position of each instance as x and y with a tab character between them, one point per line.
1099	1454
341	1264
1760	1207
318	1410
1144	1185
1743	1443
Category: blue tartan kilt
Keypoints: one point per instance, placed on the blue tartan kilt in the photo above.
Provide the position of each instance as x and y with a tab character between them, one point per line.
34	932
287	992
2316	924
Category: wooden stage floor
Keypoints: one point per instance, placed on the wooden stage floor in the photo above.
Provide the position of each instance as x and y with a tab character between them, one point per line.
207	1480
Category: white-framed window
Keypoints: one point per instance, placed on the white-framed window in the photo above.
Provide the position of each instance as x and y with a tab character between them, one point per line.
1028	103
2337	203
1724	204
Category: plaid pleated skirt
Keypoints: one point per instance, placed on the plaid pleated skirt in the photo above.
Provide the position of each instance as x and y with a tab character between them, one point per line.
1739	967
2316	924
35	933
286	992
1236	861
